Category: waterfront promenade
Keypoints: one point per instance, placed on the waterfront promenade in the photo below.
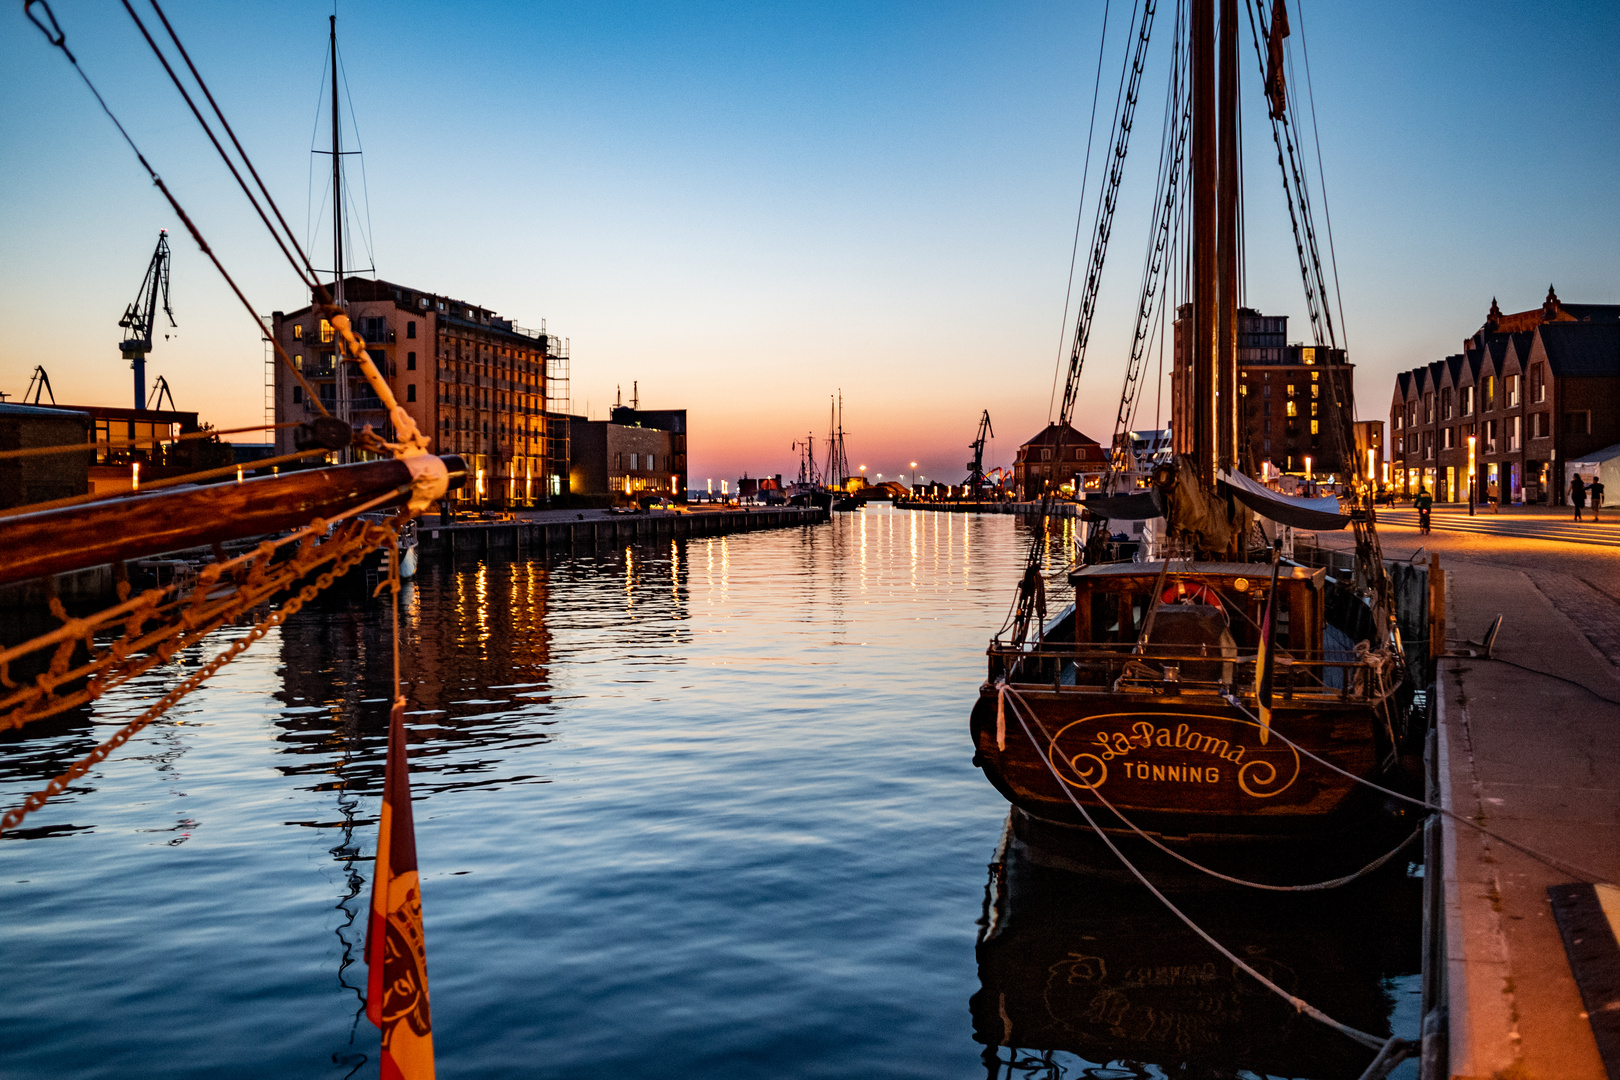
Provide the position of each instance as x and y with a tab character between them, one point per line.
1530	756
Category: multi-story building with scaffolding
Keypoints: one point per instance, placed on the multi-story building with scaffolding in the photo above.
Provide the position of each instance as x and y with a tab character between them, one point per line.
478	384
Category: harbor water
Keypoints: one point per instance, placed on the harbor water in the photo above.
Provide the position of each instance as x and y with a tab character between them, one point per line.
703	808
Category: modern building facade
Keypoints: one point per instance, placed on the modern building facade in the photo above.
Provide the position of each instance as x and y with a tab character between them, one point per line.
624	462
1535	391
1296	402
477	384
1058	456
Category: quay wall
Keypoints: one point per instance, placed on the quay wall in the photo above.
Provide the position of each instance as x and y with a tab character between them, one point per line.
1027	509
553	534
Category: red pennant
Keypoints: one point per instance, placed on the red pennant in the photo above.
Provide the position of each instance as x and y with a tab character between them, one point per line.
396	951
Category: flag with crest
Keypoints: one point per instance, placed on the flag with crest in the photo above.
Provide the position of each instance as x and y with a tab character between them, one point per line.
396	952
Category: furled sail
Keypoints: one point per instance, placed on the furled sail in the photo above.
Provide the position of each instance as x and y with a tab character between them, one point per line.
1300	512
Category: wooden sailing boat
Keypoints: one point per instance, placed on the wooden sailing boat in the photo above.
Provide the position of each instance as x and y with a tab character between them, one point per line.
1181	695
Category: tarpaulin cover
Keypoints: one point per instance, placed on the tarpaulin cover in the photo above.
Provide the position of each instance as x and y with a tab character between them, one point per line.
1301	513
1142	506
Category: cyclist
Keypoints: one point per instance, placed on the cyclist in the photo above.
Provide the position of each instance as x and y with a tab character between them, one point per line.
1423	503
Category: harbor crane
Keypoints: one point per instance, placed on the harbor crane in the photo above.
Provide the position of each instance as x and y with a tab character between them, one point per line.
141	316
976	478
39	383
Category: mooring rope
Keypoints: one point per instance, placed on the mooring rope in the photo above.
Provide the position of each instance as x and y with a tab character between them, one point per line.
1390	1051
1550	860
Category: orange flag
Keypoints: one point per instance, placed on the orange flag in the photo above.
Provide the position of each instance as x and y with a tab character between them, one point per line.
396	952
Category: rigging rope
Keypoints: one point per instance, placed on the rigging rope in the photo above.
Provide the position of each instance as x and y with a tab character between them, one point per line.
1080	211
54	35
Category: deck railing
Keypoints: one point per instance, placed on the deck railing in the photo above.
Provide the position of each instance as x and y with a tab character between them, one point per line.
1157	669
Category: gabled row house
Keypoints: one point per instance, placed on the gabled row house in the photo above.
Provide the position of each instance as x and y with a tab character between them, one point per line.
1534	390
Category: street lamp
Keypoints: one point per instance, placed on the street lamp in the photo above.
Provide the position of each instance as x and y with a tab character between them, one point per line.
1471	441
1308	474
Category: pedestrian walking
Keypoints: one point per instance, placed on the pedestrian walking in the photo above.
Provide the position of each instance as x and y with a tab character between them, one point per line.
1424	503
1577	495
1493	496
1595	490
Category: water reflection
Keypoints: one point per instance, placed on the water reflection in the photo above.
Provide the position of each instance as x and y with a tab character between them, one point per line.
1078	963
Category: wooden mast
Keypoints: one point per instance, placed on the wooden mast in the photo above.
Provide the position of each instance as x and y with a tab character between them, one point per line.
1201	411
1226	397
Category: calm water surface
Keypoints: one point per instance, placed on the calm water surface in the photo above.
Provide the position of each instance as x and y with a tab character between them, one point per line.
696	809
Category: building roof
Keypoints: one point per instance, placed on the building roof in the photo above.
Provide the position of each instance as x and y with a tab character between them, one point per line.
1070	436
1582	349
8	408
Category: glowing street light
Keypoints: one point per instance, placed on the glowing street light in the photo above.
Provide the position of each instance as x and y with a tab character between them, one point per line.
1471	440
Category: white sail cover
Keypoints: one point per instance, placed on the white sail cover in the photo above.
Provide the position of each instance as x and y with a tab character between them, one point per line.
1294	510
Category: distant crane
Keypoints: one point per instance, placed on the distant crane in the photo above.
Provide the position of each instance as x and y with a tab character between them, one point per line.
39	383
160	390
140	317
976	478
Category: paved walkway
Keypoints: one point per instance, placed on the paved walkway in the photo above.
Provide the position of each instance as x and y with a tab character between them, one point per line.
1537	760
1534	526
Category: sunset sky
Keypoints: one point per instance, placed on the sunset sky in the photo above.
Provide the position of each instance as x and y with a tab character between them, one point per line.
745	208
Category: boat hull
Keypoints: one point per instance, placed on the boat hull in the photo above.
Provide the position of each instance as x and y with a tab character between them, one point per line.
1179	766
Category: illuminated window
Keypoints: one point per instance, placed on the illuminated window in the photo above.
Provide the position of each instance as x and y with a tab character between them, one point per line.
1314	427
1308	355
1315	390
326	332
1293	409
298	331
298	361
1313	408
1290	389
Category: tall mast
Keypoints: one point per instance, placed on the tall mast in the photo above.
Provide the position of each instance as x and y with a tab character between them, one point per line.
1226	247
337	181
1201	410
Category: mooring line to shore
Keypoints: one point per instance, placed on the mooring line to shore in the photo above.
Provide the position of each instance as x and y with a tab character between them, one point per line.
1589	876
1391	1051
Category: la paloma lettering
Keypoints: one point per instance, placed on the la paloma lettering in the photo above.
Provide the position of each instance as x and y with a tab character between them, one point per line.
1113	744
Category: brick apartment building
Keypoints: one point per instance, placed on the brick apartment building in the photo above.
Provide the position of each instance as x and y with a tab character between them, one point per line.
1034	470
1536	389
1285	393
476	383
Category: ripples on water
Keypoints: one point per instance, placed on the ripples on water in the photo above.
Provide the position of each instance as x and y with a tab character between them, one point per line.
696	809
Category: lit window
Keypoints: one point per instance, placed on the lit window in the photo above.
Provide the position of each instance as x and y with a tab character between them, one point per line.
1314	427
298	361
1290	389
1293	409
326	332
1309	356
1315	390
298	331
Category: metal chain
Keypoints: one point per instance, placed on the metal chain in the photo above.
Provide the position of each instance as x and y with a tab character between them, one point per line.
349	559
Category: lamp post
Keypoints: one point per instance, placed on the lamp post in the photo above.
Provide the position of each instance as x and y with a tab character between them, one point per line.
1309	474
1471	441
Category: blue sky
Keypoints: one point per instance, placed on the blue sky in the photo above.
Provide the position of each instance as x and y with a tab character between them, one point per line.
746	207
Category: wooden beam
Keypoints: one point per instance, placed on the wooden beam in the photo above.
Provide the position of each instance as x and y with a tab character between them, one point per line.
134	527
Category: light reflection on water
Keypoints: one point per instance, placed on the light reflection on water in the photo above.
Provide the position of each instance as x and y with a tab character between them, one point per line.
697	808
